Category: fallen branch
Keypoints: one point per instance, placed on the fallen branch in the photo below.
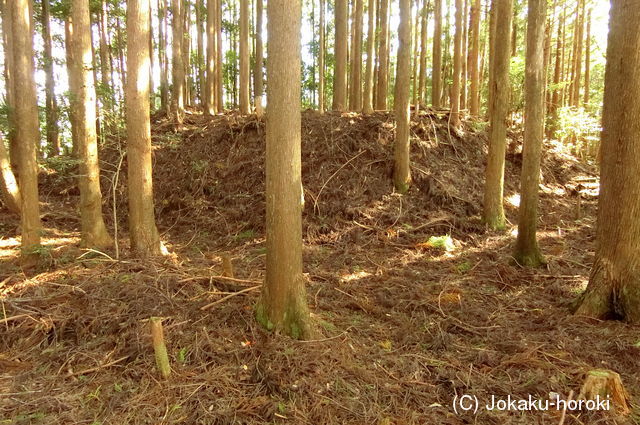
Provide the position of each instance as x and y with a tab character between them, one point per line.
97	368
223	299
230	279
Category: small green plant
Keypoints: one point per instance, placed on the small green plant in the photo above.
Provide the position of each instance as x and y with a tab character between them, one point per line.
442	243
182	355
463	267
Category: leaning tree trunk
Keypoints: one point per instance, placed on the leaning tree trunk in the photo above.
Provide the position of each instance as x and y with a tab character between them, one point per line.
401	168
83	102
145	240
340	68
283	305
527	252
614	285
26	124
493	214
7	43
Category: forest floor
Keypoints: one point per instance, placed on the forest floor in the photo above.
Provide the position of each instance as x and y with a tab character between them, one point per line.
405	326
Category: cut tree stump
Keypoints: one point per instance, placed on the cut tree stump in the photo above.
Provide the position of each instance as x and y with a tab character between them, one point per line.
604	384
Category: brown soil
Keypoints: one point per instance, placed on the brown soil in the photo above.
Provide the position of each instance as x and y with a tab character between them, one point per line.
406	327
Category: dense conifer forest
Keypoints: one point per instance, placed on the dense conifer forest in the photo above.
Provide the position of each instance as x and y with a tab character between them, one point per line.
383	212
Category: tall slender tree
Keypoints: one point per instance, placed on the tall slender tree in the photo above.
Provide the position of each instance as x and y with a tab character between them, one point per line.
401	168
422	76
527	253
53	137
340	68
283	305
210	88
474	71
321	65
145	240
383	57
83	126
200	66
162	54
220	106
436	73
614	284
177	92
258	74
26	126
587	62
367	98
245	99
457	67
355	94
493	213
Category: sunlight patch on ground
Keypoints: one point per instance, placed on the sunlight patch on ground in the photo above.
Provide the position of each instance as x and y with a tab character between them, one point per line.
514	200
354	276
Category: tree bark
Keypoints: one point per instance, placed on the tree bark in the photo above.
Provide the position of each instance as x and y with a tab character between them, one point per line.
145	240
26	124
245	100
282	306
383	57
436	75
527	253
177	91
340	69
493	213
8	183
474	95
83	125
457	67
614	284
53	137
7	42
401	168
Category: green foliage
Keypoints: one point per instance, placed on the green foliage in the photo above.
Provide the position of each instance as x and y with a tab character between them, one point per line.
576	128
516	77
